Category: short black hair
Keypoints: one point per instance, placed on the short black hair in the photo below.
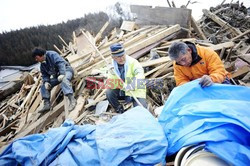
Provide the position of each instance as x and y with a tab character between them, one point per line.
38	52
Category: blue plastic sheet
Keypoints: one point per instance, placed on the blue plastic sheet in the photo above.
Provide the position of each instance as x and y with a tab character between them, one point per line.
133	138
218	115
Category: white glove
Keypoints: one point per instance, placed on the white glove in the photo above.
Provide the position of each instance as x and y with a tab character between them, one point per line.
129	87
47	85
111	69
60	77
206	81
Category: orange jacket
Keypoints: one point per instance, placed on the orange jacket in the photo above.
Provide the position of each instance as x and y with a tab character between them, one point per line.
210	64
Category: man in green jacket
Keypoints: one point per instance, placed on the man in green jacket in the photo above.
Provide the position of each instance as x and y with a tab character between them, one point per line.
132	73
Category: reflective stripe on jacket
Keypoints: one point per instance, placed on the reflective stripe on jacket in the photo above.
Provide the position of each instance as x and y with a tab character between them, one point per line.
210	64
134	74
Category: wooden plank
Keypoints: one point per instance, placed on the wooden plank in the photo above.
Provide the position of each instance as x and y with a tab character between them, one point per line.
245	57
63	41
145	50
220	46
80	87
128	26
28	96
72	49
245	50
36	94
33	92
58	50
111	35
241	35
152	39
66	106
241	71
221	22
94	64
8	128
197	29
125	36
229	54
81	116
120	36
100	63
41	122
59	121
165	69
35	103
80	104
54	92
99	34
95	101
101	94
155	61
154	70
74	38
168	43
133	48
222	52
84	48
135	39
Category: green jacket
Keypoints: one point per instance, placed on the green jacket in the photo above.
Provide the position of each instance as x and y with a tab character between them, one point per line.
134	75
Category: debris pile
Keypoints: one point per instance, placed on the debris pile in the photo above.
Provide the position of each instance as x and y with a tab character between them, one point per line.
230	23
148	44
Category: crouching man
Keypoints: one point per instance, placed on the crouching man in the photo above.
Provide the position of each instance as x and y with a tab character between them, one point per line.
132	73
193	61
55	70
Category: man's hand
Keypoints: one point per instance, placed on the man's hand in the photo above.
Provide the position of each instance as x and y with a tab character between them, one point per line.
205	81
60	77
129	87
47	85
111	69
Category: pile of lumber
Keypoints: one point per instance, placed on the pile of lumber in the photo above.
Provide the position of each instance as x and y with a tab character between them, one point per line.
230	23
19	116
148	44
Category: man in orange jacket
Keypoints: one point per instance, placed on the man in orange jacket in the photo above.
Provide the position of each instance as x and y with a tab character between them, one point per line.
194	61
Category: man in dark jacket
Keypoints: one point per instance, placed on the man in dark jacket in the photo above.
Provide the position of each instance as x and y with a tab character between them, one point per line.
55	70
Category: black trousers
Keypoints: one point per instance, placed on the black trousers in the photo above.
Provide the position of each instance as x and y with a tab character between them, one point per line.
114	95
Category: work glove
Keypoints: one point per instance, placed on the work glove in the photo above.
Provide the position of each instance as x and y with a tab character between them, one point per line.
111	69
205	81
47	85
129	87
60	77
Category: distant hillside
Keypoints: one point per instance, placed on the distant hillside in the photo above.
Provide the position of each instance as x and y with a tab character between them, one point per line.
16	46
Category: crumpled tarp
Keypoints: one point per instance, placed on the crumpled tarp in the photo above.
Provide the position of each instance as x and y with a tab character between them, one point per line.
218	116
133	138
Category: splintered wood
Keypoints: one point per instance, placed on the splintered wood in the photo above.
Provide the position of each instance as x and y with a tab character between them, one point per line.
149	44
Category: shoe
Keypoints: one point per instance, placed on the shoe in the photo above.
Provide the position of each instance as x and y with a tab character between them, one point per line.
72	102
120	109
46	106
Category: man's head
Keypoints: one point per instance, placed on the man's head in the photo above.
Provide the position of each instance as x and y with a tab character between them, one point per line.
180	53
118	53
38	54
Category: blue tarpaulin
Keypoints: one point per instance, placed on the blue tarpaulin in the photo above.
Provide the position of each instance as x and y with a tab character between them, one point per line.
218	116
132	138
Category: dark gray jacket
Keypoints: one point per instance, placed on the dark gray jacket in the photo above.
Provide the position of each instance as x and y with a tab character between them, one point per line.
54	66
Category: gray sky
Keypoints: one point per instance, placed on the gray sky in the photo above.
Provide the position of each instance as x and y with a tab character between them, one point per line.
16	14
